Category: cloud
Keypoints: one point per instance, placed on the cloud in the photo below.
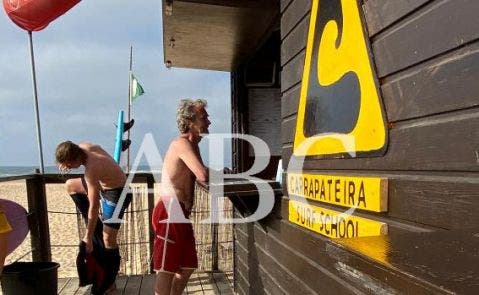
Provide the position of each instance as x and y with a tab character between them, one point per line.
82	63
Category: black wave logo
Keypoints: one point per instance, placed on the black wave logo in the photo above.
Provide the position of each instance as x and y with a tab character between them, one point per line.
333	108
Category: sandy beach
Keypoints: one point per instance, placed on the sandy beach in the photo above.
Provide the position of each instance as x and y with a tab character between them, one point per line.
65	233
66	230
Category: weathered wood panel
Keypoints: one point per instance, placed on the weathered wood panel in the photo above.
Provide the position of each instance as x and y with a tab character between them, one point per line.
133	285
329	256
289	101
294	274
444	84
293	15
443	142
443	25
70	288
295	42
298	250
241	270
288	127
445	200
284	4
451	203
380	14
292	72
252	265
147	285
258	278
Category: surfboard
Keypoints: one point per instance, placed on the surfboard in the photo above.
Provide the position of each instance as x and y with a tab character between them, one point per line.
17	217
120	144
119	137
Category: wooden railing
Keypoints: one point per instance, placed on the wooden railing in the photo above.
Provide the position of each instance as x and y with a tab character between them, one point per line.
210	237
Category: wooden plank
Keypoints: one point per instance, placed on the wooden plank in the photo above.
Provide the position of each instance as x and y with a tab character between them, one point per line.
301	250
86	290
450	204
194	285
191	24
148	284
292	72
442	26
283	4
442	199
121	283
133	285
295	12
241	283
71	287
293	273
415	268
290	101
222	284
62	283
17	177
380	14
38	222
257	279
444	142
230	277
295	42
288	129
206	283
441	85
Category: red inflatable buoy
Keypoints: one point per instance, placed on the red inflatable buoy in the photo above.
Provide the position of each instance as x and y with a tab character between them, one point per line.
35	15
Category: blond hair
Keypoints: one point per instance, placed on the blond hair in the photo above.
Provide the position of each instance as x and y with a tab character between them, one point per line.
186	112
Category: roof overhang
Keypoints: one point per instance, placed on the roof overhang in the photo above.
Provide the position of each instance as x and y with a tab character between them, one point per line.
215	34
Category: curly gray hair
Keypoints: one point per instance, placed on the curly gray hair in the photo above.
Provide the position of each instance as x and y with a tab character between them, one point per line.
186	112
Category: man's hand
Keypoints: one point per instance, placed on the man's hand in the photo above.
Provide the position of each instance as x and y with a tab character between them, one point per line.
89	244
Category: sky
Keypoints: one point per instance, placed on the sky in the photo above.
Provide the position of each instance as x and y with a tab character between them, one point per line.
82	64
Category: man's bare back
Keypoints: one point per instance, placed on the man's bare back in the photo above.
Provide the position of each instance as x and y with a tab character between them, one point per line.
100	167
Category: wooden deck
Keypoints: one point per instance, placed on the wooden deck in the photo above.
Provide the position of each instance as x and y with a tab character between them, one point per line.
199	283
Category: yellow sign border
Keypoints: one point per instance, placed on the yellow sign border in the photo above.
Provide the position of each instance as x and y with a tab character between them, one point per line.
324	188
357	226
368	135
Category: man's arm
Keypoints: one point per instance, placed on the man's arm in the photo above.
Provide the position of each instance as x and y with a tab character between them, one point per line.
190	155
93	197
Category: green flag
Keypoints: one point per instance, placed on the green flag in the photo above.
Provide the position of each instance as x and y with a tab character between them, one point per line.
136	89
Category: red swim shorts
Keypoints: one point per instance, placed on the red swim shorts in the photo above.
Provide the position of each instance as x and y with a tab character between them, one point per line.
174	247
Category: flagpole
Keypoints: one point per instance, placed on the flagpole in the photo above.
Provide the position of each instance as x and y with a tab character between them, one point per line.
129	107
35	101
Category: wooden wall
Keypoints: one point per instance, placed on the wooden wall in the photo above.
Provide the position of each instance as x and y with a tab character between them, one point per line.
427	59
426	54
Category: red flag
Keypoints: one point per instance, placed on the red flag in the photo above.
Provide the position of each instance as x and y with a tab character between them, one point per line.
35	15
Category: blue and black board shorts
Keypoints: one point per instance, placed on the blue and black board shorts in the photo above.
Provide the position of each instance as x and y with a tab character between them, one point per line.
109	199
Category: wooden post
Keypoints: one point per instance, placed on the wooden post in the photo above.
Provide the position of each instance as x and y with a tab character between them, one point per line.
214	228
151	205
38	221
214	247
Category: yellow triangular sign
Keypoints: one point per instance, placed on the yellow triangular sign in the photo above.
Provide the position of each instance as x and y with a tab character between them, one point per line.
340	109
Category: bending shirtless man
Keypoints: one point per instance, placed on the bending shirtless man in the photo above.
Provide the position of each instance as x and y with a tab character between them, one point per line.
174	254
103	181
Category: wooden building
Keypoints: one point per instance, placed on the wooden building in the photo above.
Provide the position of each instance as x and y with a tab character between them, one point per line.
380	99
